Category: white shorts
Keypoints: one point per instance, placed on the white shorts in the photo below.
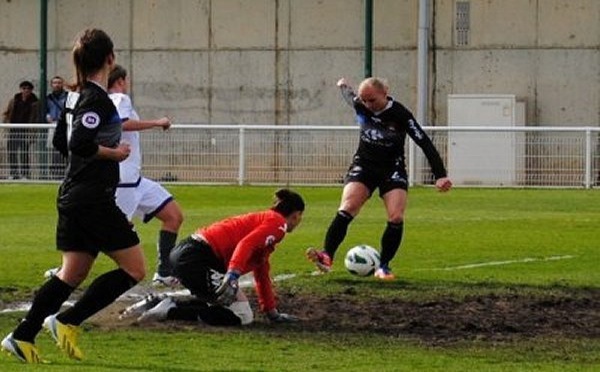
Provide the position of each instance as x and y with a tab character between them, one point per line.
144	200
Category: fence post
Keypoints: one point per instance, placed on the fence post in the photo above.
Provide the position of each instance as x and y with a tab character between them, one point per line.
588	158
242	156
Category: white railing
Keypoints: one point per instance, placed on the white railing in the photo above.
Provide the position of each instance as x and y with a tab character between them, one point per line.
320	155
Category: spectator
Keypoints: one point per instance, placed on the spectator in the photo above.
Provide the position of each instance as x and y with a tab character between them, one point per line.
55	102
20	109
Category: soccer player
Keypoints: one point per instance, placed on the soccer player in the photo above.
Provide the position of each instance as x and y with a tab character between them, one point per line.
89	220
210	261
378	163
137	195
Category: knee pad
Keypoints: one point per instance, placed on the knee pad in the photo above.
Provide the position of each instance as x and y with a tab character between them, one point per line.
243	311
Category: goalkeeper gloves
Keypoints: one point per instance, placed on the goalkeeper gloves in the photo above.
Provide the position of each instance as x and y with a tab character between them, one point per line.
227	291
277	317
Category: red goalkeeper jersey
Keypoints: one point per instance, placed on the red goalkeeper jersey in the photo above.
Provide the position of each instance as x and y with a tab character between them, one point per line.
244	243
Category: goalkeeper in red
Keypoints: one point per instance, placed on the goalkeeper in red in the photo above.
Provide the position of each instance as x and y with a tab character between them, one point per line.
211	260
378	164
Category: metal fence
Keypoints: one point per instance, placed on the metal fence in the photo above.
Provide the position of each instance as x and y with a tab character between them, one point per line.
320	155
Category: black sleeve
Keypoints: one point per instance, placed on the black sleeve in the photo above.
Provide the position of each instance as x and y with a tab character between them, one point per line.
424	142
83	138
59	140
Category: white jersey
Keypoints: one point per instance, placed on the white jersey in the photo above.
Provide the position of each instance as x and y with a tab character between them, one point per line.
130	168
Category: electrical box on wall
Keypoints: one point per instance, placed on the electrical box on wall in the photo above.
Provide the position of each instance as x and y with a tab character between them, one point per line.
479	156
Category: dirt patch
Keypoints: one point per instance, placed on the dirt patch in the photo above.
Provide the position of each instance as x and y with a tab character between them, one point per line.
445	320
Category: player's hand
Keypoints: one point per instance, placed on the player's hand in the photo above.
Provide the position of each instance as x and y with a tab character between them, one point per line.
277	317
122	151
227	291
164	123
342	82
443	184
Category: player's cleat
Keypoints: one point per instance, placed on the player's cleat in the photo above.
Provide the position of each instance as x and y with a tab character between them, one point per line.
51	272
384	273
166	281
320	258
158	312
139	307
22	350
65	336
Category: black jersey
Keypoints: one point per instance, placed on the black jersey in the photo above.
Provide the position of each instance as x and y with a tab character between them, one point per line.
90	119
383	134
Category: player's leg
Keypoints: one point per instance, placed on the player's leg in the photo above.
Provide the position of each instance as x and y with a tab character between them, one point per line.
395	205
238	313
109	286
100	226
47	301
157	202
354	196
172	218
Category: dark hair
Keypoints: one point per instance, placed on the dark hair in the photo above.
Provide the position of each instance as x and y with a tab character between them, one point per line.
26	84
92	47
117	72
287	202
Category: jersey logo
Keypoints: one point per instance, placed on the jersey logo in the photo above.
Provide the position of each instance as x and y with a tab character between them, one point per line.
413	126
90	120
269	240
215	277
283	227
355	171
373	135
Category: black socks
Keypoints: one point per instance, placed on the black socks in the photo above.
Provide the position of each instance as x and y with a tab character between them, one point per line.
102	292
47	301
166	242
390	241
337	232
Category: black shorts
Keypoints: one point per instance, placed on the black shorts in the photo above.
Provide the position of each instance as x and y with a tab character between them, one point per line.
385	177
94	229
197	268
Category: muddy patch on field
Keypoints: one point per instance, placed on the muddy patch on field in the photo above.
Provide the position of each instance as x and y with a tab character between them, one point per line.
490	317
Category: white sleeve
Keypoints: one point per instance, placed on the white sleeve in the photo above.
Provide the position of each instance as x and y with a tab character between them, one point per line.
124	106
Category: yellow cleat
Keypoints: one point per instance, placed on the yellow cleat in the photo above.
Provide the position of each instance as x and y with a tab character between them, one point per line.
22	350
65	336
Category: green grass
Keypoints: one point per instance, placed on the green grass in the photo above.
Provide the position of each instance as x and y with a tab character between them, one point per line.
463	227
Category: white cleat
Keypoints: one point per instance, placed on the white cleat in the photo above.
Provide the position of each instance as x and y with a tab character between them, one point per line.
158	312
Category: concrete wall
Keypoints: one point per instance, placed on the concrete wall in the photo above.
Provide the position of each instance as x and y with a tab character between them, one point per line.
277	61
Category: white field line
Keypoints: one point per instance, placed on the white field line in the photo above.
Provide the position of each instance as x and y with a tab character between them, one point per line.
499	263
246	281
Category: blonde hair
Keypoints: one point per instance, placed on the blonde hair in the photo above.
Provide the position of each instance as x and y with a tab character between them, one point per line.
375	82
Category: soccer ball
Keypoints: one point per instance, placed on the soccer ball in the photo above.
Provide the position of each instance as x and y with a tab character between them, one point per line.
362	260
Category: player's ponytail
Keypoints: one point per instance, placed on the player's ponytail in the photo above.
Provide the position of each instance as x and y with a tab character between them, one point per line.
287	202
91	49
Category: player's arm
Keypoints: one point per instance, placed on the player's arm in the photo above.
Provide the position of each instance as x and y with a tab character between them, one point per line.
263	237
119	153
347	92
264	288
59	139
421	138
137	125
126	111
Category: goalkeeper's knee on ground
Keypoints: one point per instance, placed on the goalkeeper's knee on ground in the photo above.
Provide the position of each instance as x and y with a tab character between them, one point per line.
238	313
243	311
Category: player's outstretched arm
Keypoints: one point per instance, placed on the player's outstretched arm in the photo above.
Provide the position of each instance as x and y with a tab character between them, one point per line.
347	91
137	125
